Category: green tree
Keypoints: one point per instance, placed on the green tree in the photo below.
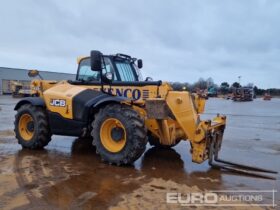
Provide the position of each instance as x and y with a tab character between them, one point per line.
224	84
236	85
224	88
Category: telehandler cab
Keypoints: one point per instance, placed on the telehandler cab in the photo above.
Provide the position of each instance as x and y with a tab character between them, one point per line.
109	102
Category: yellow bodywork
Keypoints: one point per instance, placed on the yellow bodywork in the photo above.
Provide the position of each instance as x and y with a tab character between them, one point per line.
39	86
182	123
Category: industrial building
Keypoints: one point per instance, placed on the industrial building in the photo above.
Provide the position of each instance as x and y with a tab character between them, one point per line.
8	75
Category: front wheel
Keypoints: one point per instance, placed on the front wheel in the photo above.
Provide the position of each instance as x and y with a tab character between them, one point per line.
32	127
119	134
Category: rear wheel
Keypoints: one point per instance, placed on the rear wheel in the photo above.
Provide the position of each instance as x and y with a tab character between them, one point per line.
119	134
31	127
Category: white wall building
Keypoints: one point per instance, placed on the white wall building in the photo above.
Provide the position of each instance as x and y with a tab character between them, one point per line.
7	75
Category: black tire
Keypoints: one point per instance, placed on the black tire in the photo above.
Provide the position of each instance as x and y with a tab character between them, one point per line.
154	141
136	134
41	131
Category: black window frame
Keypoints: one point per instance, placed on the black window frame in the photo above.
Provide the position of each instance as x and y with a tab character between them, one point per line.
115	68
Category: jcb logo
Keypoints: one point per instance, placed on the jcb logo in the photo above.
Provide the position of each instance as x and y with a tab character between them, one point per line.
58	102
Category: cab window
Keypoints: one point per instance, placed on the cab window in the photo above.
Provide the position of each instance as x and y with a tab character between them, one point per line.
126	71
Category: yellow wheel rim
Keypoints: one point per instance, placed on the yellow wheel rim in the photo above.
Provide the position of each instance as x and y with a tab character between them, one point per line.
109	141
25	127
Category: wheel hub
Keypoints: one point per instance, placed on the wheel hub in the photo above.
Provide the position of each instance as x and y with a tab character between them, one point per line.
30	126
117	134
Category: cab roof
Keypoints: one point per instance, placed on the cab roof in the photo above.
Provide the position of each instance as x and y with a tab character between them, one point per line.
118	55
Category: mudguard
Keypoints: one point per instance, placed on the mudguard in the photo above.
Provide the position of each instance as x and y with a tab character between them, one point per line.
36	101
88	99
110	99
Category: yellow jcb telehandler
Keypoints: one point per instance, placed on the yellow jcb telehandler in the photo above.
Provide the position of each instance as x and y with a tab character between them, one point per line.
109	102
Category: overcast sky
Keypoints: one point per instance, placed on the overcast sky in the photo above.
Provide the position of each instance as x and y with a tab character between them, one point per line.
177	40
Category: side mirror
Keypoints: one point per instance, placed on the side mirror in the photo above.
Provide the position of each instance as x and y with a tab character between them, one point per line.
139	63
96	60
33	73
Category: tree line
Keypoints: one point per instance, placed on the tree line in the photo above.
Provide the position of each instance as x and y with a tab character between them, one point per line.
223	88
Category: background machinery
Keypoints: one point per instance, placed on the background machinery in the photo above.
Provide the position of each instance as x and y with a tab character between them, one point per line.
243	94
267	97
15	88
20	90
